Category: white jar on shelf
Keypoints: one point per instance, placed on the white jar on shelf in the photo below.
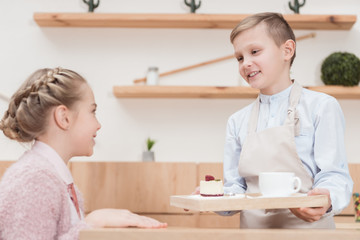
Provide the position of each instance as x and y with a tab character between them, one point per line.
152	76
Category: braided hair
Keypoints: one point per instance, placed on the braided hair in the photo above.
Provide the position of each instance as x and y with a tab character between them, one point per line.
27	115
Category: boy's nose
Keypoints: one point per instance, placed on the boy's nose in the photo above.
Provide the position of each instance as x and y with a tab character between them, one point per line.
247	62
246	65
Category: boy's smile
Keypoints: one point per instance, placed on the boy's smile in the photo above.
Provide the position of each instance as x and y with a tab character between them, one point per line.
252	74
262	63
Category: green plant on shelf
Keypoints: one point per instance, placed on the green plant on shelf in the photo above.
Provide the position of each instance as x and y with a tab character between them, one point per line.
193	6
91	4
296	7
341	68
150	143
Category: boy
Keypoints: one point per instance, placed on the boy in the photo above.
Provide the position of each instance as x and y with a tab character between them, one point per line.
287	129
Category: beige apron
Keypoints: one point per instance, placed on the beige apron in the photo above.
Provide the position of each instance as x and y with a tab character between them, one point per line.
274	150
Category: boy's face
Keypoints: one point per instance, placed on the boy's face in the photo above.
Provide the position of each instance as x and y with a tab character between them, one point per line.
263	64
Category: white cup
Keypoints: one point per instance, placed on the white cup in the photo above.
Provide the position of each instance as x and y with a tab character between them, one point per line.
278	184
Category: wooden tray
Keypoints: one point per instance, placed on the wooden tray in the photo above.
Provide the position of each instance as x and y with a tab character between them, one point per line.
246	201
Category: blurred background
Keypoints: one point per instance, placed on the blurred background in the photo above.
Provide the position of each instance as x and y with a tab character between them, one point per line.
186	130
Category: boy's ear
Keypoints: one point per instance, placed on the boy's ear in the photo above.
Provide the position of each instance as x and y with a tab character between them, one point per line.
289	49
61	115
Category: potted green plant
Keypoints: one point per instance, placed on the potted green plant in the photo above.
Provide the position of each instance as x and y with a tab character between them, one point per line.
192	4
92	5
148	155
296	7
341	68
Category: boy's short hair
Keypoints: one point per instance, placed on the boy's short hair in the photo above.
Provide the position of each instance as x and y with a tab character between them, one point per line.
277	28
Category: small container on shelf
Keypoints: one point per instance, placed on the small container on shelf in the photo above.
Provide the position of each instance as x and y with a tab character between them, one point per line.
152	76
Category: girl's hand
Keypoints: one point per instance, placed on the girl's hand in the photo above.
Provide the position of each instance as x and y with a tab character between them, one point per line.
315	213
196	191
121	218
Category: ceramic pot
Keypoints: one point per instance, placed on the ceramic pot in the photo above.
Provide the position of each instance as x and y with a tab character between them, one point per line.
148	156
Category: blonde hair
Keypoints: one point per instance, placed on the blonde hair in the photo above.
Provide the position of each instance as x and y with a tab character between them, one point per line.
277	28
27	115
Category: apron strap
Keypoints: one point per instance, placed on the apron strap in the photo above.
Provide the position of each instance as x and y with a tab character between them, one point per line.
253	120
293	116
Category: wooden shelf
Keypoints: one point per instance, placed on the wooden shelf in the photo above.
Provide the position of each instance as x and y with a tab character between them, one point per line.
339	92
296	21
143	91
183	92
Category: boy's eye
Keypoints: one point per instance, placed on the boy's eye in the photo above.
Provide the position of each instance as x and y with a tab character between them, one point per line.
239	59
254	51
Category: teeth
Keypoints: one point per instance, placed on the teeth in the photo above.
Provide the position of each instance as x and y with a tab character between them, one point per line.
252	74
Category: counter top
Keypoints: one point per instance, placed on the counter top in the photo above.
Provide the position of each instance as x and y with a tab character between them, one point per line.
174	233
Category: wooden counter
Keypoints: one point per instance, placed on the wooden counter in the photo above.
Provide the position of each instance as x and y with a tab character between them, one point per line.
145	188
212	234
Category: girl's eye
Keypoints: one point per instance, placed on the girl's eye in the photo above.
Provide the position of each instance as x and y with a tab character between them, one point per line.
254	51
240	59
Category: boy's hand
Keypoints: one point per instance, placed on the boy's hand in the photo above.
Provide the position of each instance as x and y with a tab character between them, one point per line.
315	213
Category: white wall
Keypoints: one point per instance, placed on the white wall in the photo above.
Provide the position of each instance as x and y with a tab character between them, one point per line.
186	129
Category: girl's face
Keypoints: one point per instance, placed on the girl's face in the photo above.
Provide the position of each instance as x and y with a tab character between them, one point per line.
261	62
84	124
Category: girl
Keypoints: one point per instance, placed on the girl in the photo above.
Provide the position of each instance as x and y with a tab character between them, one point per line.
55	109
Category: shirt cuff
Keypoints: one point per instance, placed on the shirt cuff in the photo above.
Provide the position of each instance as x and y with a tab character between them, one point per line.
329	210
227	213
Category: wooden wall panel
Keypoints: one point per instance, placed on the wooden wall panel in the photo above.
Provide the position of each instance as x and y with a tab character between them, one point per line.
177	220
213	220
145	188
199	220
130	184
142	187
3	166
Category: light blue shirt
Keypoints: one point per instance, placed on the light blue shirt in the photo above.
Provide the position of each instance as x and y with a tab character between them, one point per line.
320	144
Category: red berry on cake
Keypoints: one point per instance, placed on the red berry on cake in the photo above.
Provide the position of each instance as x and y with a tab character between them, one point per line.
209	178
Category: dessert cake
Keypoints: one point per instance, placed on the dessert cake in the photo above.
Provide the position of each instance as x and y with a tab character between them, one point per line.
211	187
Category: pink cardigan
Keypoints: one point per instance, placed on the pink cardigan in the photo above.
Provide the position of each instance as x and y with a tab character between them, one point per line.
34	202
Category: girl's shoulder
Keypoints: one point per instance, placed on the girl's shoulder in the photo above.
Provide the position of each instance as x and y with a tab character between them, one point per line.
32	182
31	187
31	168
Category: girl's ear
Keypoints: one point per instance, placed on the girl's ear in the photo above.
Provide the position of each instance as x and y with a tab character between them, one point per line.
61	115
289	49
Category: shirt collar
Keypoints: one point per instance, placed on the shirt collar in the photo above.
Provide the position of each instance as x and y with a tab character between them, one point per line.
276	97
53	157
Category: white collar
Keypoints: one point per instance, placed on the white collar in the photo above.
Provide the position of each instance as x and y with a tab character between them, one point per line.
54	158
